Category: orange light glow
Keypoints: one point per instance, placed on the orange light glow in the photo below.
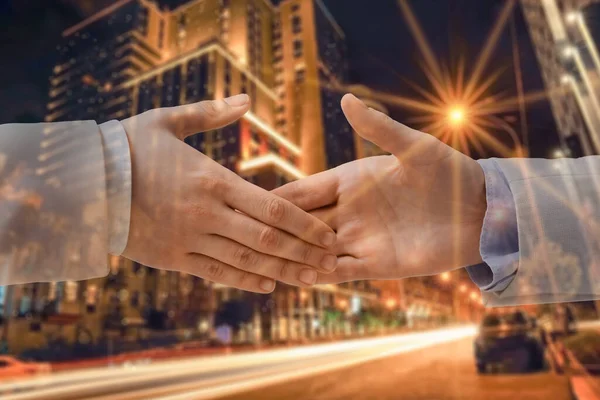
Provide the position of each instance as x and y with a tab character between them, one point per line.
391	303
456	116
459	107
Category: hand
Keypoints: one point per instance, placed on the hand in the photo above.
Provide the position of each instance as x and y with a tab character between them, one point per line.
190	214
417	212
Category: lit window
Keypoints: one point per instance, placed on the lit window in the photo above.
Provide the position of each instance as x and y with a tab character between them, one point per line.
71	291
52	291
296	24
300	76
297	48
114	264
161	33
91	295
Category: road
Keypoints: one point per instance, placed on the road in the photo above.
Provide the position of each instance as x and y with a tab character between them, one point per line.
441	372
426	365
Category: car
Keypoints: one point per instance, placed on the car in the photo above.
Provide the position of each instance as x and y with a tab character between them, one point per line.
11	367
509	341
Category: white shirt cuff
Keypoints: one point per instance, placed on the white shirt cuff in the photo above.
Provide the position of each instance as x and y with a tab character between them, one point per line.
117	159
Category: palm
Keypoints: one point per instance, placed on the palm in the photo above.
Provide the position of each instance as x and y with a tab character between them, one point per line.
396	218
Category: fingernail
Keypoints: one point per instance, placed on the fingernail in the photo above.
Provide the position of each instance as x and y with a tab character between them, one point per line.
308	276
238	100
329	262
328	239
267	285
362	103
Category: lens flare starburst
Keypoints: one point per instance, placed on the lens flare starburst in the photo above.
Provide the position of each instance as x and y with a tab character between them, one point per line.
464	113
461	106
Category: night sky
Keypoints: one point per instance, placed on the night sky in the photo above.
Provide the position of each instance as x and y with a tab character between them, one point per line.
382	55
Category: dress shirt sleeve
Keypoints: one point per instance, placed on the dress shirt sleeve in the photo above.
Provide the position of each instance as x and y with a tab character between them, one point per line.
499	245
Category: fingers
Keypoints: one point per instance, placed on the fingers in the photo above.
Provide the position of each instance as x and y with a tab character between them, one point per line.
380	129
216	271
313	192
277	212
329	215
272	241
193	118
349	269
246	259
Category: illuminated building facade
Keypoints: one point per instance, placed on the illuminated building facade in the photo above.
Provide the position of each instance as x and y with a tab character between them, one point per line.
138	55
566	50
310	68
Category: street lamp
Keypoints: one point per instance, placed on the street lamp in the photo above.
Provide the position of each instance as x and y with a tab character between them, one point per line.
573	17
390	303
558	153
445	277
569	51
463	288
566	79
473	295
456	116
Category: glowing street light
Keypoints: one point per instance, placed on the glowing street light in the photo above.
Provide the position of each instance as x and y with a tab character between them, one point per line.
569	51
566	79
463	288
573	17
456	116
445	277
558	153
474	295
391	303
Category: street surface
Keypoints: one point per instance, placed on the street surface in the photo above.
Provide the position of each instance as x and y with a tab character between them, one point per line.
441	372
424	365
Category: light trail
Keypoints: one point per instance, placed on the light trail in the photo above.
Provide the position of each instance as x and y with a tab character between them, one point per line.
209	376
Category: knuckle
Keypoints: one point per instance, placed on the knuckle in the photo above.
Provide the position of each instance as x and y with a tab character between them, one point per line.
269	238
212	184
275	210
284	270
214	271
306	253
246	257
211	109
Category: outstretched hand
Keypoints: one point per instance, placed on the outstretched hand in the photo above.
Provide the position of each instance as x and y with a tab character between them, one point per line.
190	214
416	212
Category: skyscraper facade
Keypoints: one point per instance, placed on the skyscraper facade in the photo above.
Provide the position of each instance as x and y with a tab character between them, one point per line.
137	55
562	34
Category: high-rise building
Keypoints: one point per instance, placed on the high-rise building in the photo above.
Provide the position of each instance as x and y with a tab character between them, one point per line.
310	68
139	54
567	52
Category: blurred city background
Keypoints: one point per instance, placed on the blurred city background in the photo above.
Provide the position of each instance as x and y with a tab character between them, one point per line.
497	78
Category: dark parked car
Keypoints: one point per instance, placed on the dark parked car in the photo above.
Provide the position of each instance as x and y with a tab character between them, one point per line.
510	342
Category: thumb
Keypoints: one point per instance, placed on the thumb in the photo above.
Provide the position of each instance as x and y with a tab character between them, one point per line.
199	117
389	135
